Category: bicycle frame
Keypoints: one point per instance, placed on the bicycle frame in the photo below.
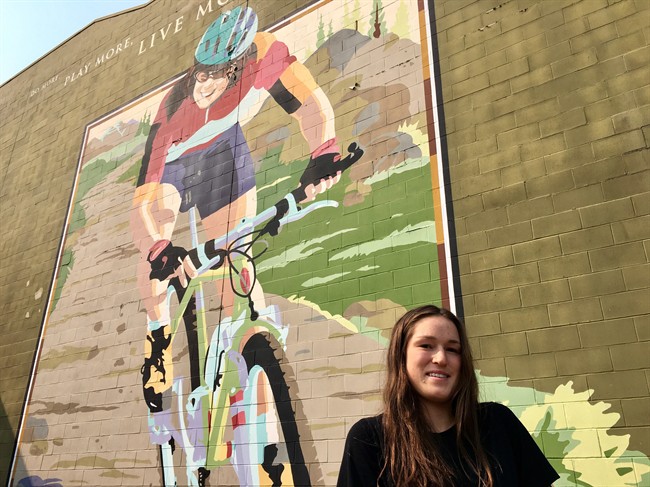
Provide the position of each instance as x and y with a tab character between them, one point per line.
222	371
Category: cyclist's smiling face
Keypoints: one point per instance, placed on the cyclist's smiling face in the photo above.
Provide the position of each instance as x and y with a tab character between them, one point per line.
208	87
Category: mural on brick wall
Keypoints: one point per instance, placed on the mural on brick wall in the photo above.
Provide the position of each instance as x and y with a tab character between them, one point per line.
240	241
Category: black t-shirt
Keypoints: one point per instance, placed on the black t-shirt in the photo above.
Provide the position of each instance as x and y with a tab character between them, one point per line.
515	459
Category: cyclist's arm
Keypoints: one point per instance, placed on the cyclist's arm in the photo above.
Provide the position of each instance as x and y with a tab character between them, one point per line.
293	87
166	260
315	117
314	111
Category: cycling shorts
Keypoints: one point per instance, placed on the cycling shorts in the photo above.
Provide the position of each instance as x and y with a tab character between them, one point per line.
213	177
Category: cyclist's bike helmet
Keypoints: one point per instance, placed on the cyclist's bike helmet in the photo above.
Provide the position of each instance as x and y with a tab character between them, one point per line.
228	37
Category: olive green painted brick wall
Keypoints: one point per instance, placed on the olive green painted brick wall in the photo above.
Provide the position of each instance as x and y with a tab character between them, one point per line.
547	114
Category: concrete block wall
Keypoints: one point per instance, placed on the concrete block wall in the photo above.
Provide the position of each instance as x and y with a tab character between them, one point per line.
545	106
547	116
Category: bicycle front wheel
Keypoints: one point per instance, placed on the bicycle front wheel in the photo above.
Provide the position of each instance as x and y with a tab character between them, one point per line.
267	443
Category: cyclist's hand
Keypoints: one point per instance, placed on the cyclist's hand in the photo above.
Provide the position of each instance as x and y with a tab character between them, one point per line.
168	261
313	190
273	225
321	172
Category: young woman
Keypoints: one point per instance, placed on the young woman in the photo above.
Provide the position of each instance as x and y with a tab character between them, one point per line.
433	431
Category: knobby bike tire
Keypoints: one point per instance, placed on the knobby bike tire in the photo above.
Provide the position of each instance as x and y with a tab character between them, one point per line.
258	351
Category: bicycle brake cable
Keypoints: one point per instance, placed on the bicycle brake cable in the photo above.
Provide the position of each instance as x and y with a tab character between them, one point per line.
244	249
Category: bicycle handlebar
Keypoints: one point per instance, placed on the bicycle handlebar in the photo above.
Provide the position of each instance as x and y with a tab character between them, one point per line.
212	252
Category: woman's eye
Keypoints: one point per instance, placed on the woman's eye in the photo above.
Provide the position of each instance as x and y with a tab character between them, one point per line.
453	350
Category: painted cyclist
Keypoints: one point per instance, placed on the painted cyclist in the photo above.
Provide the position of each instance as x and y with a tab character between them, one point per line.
196	155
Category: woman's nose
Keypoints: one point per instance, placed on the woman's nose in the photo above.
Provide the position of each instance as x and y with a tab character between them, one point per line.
439	357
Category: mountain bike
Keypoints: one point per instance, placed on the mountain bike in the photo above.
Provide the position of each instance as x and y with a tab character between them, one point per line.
237	384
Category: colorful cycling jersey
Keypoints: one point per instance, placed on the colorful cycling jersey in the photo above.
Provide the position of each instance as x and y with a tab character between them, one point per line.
191	129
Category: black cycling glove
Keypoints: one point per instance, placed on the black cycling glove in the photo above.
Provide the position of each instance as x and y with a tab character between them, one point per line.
164	259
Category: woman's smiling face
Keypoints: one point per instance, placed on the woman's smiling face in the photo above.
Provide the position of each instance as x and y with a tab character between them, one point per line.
433	360
207	88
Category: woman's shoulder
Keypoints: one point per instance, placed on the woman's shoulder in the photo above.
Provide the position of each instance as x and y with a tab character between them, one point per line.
497	420
492	409
371	423
368	429
493	412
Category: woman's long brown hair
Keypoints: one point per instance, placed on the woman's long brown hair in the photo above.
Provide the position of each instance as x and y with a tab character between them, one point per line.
412	460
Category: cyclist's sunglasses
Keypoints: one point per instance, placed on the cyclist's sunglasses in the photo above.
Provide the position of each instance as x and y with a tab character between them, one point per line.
203	76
